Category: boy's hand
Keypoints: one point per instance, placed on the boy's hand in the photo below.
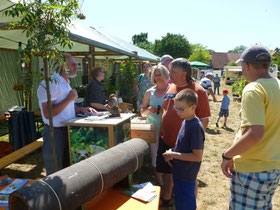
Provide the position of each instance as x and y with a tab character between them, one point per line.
227	167
168	156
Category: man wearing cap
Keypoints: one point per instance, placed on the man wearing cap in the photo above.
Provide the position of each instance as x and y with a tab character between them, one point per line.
207	85
166	60
253	161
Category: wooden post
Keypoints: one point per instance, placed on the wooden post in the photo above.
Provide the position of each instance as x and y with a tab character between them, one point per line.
92	61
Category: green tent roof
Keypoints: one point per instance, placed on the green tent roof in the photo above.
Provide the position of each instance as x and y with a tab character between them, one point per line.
197	64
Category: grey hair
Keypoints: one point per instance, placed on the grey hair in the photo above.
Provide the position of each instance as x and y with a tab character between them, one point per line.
164	72
185	66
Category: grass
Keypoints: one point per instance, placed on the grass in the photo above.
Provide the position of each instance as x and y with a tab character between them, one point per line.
213	192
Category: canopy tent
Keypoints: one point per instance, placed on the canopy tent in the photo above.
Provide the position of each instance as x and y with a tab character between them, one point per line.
84	39
197	64
105	46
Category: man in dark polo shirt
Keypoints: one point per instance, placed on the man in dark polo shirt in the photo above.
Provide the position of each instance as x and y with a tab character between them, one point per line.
95	93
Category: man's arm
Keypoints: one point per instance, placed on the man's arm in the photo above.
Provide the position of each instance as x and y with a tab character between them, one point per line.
205	122
98	106
212	94
251	136
57	108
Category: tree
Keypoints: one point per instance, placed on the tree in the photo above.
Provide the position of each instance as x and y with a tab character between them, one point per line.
238	49
276	57
232	63
141	40
175	45
200	54
45	25
138	38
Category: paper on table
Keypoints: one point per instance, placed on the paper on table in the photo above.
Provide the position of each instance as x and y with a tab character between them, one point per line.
145	191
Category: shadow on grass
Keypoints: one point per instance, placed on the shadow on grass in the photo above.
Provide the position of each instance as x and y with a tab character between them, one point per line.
212	131
22	171
201	183
228	129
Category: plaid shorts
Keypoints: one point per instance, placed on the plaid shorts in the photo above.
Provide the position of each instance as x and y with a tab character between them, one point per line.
253	190
223	112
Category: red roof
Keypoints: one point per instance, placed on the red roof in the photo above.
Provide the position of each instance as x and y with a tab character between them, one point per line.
221	59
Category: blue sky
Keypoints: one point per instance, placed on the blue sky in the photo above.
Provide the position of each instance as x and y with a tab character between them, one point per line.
219	25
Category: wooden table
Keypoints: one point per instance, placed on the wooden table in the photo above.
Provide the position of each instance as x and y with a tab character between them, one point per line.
115	199
88	137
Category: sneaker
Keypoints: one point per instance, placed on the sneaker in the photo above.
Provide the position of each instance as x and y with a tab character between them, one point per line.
217	125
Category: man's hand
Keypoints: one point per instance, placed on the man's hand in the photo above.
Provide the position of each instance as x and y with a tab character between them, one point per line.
88	110
72	95
227	167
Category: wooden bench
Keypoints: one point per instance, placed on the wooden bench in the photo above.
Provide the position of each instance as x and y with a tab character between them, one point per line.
20	153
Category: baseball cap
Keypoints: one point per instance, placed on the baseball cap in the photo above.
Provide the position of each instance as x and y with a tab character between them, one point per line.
165	58
225	91
252	54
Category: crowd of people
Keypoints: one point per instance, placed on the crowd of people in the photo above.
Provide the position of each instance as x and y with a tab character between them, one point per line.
168	96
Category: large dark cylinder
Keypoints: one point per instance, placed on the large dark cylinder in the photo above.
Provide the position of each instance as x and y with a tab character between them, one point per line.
73	186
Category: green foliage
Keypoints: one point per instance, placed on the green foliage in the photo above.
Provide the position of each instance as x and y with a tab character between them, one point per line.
276	57
200	54
175	45
81	138
81	91
238	49
149	46
232	63
139	38
45	25
238	86
128	75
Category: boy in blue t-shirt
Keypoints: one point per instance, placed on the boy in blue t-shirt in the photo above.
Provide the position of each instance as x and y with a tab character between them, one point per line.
224	108
186	156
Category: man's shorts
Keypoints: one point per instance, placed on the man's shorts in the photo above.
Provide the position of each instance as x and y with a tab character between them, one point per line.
161	165
253	190
223	112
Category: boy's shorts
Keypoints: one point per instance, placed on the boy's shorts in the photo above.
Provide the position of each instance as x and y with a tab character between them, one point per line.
184	194
253	190
224	112
161	165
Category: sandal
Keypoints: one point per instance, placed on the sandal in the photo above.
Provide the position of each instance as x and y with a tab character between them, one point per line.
164	203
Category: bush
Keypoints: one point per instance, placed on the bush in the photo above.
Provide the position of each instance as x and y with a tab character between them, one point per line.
238	87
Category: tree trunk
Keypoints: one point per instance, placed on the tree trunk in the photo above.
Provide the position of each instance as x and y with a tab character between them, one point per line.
46	72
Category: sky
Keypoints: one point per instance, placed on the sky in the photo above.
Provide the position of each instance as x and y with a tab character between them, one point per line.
219	25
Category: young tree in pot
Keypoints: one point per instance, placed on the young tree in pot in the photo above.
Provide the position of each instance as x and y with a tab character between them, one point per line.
45	25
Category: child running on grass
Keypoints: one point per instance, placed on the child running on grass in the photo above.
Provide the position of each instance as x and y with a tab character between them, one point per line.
253	161
186	156
224	108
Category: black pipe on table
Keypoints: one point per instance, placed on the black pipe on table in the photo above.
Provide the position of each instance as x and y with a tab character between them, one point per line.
73	186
